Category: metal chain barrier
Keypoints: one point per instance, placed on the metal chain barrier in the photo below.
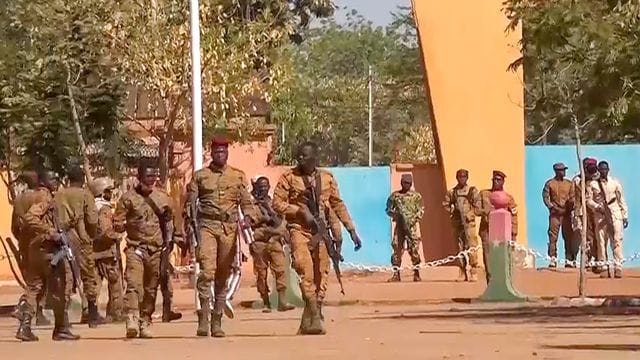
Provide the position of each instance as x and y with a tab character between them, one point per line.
188	269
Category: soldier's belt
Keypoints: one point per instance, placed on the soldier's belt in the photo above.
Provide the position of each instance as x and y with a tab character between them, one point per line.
224	217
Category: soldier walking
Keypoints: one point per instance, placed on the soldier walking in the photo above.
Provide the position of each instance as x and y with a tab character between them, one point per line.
220	189
21	205
486	208
557	196
605	198
405	209
106	249
300	196
144	212
79	214
463	204
46	242
267	250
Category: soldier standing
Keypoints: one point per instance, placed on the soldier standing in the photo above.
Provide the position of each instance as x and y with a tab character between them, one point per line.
497	185
46	242
291	198
145	214
220	189
557	196
21	205
590	166
606	199
266	250
106	248
463	203
405	208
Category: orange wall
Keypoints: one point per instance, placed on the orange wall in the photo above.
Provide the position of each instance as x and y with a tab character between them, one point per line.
477	103
5	230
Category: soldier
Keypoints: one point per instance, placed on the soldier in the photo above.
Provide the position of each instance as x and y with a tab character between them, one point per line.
266	250
606	199
80	215
106	248
405	208
463	203
220	189
590	166
291	198
145	214
21	205
45	243
485	210
557	196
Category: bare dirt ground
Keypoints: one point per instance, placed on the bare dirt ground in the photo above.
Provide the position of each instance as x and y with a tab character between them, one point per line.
435	319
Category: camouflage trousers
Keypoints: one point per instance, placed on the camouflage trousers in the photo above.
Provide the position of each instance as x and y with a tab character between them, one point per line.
87	264
466	237
142	275
409	241
57	280
311	264
215	254
109	269
269	255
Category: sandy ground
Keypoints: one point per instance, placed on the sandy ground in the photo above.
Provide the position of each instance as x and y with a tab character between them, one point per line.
435	319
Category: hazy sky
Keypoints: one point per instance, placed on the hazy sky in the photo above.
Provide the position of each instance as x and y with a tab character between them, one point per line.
375	10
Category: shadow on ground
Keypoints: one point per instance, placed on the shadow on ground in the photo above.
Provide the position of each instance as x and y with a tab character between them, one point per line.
595	347
514	315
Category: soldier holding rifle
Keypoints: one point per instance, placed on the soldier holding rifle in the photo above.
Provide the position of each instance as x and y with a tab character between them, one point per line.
300	196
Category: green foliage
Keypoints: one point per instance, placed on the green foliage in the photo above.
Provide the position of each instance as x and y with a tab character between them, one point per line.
326	99
580	66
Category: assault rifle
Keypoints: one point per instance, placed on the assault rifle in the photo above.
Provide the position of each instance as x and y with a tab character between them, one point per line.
320	231
65	253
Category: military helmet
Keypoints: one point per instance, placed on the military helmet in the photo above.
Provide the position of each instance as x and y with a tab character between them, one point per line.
99	185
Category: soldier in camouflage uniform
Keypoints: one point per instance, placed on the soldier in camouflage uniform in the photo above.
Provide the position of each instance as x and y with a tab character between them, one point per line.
106	248
39	220
405	208
220	189
463	203
267	250
21	205
590	165
485	210
80	215
310	256
141	212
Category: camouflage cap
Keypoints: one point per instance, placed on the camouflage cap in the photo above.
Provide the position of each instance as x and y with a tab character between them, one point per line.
499	174
559	166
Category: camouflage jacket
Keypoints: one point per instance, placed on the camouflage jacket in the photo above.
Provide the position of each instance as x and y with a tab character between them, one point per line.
38	220
405	207
459	201
264	232
21	205
289	198
220	192
487	207
104	245
135	216
78	213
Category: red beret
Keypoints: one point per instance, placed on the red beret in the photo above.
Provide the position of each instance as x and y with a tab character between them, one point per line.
590	161
219	141
498	173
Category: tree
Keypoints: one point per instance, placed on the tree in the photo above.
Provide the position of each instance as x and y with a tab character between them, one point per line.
59	91
326	98
240	43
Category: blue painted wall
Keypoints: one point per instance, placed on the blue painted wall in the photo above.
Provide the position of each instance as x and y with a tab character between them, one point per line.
623	161
365	191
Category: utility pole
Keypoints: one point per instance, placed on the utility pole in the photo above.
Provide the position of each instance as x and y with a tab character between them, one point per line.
370	117
196	113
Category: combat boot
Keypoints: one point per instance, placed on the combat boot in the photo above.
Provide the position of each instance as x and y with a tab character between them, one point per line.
203	323
395	277
145	333
132	326
168	315
61	331
216	324
20	308
24	330
41	319
617	273
416	276
315	327
94	317
305	321
283	305
266	304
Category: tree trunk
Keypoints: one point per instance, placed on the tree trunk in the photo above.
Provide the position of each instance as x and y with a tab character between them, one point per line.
583	205
163	156
78	129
